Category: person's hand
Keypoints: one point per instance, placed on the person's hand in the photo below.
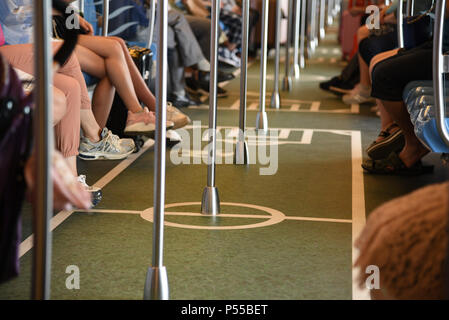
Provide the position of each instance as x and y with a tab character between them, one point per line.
86	26
67	191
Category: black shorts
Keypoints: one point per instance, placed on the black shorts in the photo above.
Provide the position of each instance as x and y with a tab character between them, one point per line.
373	45
390	76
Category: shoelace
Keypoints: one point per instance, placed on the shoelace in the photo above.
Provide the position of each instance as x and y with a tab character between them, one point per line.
111	143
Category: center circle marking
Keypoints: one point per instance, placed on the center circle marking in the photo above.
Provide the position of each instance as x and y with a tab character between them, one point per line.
274	216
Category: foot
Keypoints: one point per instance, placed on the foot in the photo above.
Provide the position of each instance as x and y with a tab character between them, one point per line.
336	86
183	101
110	147
229	56
95	192
412	154
389	140
141	123
177	117
359	94
221	76
201	87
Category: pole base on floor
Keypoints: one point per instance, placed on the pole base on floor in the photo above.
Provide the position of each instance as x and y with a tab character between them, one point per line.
241	154
262	122
156	284
302	61
296	71
287	84
210	204
275	102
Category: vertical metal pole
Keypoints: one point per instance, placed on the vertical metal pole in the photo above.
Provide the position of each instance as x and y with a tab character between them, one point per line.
438	70
302	59
151	17
241	155
105	26
311	24
275	96
322	33
410	7
211	202
296	30
262	119
316	24
400	21
43	210
156	284
330	16
287	83
81	5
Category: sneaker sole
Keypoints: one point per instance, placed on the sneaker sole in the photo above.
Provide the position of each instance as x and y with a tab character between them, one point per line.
219	95
228	61
339	90
381	150
103	156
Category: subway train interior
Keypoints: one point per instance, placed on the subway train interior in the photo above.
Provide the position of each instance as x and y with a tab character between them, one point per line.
224	150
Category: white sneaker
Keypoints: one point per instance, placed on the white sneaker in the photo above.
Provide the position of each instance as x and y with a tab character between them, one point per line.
177	117
95	192
228	56
110	147
358	95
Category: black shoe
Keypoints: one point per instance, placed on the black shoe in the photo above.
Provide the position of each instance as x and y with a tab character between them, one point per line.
183	102
221	76
226	67
202	87
336	86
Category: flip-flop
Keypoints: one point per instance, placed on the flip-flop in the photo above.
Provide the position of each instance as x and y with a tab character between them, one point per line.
393	165
391	142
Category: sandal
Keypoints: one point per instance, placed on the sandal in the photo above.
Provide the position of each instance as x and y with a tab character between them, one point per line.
393	165
391	142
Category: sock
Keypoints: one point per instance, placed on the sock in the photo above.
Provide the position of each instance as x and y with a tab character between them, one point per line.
204	65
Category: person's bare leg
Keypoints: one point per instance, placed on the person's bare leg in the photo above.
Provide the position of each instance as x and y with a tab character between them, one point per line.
102	100
413	150
385	120
102	57
143	93
365	80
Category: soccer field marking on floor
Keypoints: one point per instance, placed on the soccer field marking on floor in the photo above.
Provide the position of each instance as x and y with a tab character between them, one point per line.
358	200
287	105
59	218
223	215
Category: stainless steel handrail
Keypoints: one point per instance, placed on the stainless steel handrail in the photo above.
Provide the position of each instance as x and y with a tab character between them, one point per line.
438	71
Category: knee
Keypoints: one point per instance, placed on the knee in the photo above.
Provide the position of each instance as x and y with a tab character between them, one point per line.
115	46
362	33
378	71
120	41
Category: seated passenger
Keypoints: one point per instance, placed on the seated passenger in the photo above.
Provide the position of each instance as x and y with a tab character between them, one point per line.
108	59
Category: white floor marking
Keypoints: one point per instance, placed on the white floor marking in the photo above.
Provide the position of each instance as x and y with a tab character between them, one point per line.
284	133
307	136
295	107
225	215
358	209
355	108
253	106
236	105
315	106
27	244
